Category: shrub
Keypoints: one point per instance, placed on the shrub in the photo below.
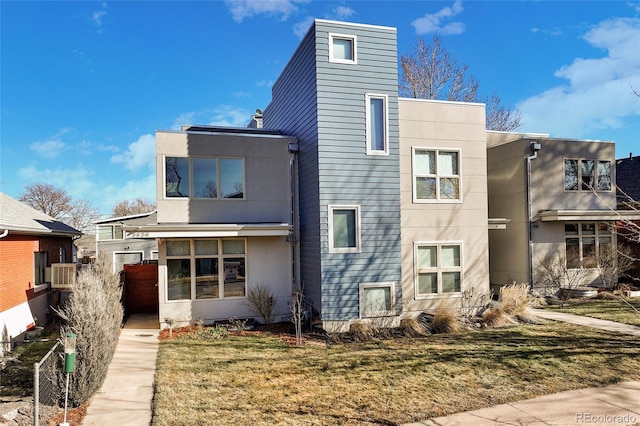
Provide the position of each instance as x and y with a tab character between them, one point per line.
361	330
94	313
445	319
412	327
262	303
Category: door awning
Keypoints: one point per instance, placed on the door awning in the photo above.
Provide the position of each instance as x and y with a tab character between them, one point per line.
187	230
586	215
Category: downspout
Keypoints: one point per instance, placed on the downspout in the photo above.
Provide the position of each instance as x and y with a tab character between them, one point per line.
535	147
4	233
293	234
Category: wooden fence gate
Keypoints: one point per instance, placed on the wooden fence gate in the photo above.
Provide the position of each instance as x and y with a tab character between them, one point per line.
141	288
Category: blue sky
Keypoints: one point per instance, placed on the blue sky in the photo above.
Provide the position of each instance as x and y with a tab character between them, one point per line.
85	85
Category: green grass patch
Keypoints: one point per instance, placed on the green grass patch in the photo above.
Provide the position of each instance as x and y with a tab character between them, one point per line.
260	380
612	310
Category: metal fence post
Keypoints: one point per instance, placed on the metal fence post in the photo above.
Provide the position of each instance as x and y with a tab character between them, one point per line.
36	393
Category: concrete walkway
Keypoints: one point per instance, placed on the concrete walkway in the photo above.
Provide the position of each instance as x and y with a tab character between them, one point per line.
611	326
126	395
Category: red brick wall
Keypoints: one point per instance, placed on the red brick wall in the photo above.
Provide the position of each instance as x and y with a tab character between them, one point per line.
16	265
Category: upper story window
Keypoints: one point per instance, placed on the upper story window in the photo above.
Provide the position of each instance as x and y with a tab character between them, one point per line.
39	267
377	124
587	175
436	175
110	232
344	229
204	177
342	48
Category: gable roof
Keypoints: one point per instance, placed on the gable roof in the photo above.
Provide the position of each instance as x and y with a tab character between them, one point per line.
20	218
628	178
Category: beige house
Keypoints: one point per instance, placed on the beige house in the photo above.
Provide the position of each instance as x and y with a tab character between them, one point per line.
560	198
443	177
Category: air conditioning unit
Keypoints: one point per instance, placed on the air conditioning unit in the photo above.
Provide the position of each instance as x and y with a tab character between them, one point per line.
63	276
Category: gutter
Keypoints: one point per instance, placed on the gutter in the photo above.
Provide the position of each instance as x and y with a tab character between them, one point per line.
4	233
535	147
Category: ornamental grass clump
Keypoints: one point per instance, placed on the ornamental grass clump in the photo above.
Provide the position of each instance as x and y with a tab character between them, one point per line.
512	307
446	319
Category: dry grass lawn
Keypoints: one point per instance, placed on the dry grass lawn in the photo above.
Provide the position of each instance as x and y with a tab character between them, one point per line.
258	379
612	310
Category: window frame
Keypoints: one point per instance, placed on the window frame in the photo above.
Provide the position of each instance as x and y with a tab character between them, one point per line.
356	208
438	269
363	313
595	174
598	235
437	176
220	257
354	47
40	264
113	232
219	181
368	123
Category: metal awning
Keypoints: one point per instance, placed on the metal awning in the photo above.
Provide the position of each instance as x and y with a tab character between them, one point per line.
188	230
586	215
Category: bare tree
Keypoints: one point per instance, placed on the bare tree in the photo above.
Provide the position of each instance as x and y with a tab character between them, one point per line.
51	200
137	206
556	278
431	73
613	263
81	215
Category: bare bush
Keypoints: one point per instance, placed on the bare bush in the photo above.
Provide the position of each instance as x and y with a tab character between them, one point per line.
472	302
613	263
262	303
94	313
297	314
556	278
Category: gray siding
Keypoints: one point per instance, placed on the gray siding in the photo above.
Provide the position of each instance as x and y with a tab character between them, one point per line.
323	104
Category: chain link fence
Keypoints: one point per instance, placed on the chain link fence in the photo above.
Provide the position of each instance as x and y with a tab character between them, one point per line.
48	388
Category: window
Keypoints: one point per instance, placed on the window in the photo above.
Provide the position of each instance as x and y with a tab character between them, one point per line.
436	175
39	267
438	268
376	299
586	243
585	175
344	229
342	48
194	269
210	177
377	124
110	232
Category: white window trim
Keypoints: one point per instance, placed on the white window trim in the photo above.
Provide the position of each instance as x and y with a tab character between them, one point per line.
113	227
438	269
354	40
192	256
385	98
330	210
437	176
597	235
384	284
113	257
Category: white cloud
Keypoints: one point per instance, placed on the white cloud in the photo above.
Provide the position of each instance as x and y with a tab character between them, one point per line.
184	119
76	181
597	93
49	149
241	9
265	83
139	188
343	12
97	16
227	115
433	22
300	29
139	154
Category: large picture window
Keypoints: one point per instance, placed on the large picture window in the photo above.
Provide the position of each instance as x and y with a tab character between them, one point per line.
587	175
377	124
342	48
436	175
110	232
438	268
194	269
586	243
204	177
344	229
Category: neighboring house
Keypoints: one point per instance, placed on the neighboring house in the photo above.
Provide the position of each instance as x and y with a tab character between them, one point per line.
628	182
31	244
225	220
119	247
560	197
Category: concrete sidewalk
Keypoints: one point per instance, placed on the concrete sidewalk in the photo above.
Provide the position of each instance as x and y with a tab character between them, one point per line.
611	326
126	395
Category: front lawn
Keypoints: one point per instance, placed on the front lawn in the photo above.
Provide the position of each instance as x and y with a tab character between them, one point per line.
612	310
259	379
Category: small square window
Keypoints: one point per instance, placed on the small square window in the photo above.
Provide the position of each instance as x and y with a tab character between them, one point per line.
342	48
436	176
376	299
344	229
438	269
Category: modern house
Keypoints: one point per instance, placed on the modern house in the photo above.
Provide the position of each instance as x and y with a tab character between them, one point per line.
628	184
560	197
36	252
112	241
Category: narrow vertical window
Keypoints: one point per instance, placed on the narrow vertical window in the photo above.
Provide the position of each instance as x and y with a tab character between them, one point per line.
205	178
587	174
377	124
176	177
570	175
231	178
604	175
344	232
342	48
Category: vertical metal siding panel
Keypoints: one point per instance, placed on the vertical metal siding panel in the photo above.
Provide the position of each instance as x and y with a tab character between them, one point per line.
347	175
